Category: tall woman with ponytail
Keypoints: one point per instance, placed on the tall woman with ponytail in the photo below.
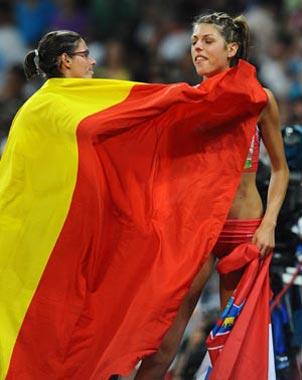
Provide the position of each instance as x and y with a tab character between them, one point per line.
218	42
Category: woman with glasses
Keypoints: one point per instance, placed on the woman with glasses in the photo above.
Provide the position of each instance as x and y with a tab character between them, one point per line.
60	54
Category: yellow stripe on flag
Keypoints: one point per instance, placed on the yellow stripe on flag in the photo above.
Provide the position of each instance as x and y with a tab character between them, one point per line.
37	178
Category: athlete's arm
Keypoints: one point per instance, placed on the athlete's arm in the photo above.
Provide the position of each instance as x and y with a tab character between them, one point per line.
269	123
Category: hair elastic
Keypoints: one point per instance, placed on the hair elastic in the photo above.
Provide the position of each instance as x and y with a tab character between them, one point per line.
36	60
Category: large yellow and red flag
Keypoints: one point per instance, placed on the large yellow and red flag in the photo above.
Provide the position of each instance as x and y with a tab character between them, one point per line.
112	194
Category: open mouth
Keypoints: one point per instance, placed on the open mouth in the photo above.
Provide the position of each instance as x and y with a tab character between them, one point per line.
200	58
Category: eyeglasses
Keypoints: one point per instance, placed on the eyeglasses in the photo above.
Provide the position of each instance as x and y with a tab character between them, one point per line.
84	53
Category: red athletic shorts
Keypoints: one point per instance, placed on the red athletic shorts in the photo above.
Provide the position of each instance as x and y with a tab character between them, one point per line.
235	232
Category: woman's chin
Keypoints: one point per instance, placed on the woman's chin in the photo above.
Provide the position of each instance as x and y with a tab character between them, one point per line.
89	74
201	71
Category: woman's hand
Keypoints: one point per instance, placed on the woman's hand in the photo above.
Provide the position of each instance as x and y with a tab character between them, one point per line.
264	238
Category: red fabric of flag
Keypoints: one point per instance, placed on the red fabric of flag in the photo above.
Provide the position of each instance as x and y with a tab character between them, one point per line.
244	352
156	176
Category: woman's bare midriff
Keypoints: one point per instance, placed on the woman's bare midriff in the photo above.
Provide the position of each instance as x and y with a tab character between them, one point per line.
247	203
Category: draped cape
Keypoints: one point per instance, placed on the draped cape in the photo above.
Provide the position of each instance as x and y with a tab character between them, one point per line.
112	195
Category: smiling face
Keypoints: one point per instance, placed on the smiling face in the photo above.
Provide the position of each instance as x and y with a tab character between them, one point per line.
78	64
210	52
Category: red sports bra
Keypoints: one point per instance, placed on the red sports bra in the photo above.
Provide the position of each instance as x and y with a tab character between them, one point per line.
252	160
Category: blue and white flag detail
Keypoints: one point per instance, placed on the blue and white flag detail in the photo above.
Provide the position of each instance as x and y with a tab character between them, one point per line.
240	344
